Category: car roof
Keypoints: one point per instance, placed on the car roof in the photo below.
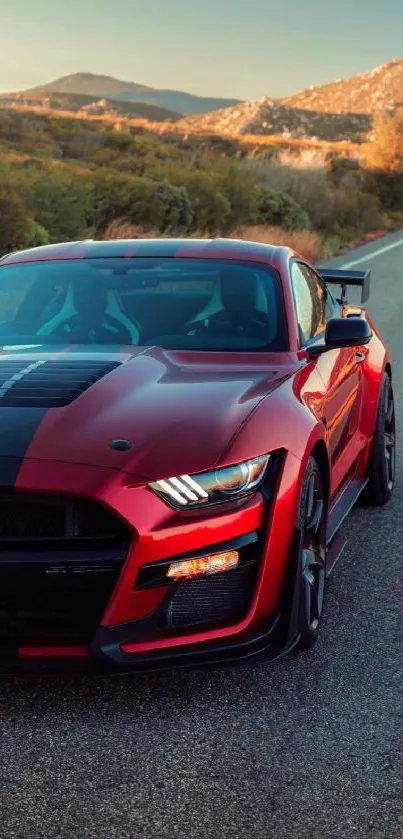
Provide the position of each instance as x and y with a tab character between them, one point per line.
277	256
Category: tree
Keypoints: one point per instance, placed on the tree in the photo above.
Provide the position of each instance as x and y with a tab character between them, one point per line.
385	152
15	225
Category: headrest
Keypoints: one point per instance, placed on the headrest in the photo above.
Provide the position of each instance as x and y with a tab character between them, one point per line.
237	285
67	311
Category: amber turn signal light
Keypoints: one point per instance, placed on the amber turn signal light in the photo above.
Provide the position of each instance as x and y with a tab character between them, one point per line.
203	566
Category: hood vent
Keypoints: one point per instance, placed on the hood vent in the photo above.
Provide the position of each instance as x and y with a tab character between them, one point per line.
48	383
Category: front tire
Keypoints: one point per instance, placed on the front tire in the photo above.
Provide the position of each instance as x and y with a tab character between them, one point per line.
312	557
383	458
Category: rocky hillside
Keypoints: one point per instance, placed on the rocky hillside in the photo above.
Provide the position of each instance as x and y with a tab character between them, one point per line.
268	116
362	94
105	87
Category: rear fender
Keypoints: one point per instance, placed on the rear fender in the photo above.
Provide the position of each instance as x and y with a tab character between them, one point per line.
377	362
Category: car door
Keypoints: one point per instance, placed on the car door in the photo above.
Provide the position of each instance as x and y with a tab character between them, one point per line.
339	369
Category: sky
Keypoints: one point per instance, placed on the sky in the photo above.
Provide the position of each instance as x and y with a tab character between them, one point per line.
235	48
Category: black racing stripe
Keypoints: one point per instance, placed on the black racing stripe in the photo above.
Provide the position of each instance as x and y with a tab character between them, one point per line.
17	429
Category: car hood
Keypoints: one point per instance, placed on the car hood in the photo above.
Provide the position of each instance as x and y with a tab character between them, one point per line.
179	410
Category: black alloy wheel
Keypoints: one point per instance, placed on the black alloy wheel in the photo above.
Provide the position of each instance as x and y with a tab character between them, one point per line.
382	468
312	564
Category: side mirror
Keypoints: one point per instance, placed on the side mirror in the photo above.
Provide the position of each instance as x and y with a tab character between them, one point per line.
344	332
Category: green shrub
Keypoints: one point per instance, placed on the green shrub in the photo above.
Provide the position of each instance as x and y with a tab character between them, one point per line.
15	224
175	214
60	202
278	208
241	194
37	236
344	171
161	206
357	210
388	187
116	196
308	187
210	207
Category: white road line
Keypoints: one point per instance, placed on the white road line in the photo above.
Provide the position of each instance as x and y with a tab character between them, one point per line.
372	255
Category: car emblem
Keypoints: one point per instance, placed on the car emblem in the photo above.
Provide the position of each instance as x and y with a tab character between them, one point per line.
121	445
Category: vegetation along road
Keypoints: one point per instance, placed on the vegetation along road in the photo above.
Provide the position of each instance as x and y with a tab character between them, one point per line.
311	747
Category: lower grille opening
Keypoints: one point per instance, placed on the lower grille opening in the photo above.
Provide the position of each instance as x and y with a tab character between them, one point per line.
224	598
60	559
32	602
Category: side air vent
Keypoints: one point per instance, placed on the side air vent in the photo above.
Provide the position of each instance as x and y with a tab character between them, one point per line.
48	384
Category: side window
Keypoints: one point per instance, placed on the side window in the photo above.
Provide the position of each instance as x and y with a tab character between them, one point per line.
312	301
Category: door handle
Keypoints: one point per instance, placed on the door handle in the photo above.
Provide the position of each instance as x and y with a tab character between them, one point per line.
359	356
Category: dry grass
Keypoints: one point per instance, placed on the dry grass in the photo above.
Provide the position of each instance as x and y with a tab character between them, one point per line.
307	243
114	119
340	147
122	229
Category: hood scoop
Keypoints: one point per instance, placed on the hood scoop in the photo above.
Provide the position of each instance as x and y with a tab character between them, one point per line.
48	383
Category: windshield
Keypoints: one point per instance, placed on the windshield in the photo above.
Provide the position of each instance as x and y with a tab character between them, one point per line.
171	303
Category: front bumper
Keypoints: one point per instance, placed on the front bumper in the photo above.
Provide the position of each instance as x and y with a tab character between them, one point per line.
132	634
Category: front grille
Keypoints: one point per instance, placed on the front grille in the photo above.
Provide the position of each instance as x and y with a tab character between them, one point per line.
60	558
222	598
29	517
48	383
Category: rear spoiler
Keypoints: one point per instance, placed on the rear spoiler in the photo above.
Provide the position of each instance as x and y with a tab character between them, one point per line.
346	278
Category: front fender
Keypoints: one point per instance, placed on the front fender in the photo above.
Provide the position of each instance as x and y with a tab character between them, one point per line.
288	419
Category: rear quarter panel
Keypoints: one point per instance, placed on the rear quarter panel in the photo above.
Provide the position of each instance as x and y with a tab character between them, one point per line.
377	361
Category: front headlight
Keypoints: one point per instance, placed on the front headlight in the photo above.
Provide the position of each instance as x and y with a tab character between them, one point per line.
212	487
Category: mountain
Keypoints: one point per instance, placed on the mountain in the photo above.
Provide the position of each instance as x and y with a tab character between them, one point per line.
267	116
82	104
106	87
362	94
341	110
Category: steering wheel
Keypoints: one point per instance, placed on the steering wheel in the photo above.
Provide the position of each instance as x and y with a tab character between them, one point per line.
223	322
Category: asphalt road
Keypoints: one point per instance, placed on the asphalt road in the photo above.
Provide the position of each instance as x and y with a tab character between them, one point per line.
309	748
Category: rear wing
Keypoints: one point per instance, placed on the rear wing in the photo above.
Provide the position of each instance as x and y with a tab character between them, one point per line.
362	279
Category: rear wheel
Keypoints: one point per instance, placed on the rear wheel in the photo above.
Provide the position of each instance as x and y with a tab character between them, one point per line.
312	559
383	458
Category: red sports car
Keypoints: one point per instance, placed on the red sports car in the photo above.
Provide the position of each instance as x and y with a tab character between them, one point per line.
184	427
